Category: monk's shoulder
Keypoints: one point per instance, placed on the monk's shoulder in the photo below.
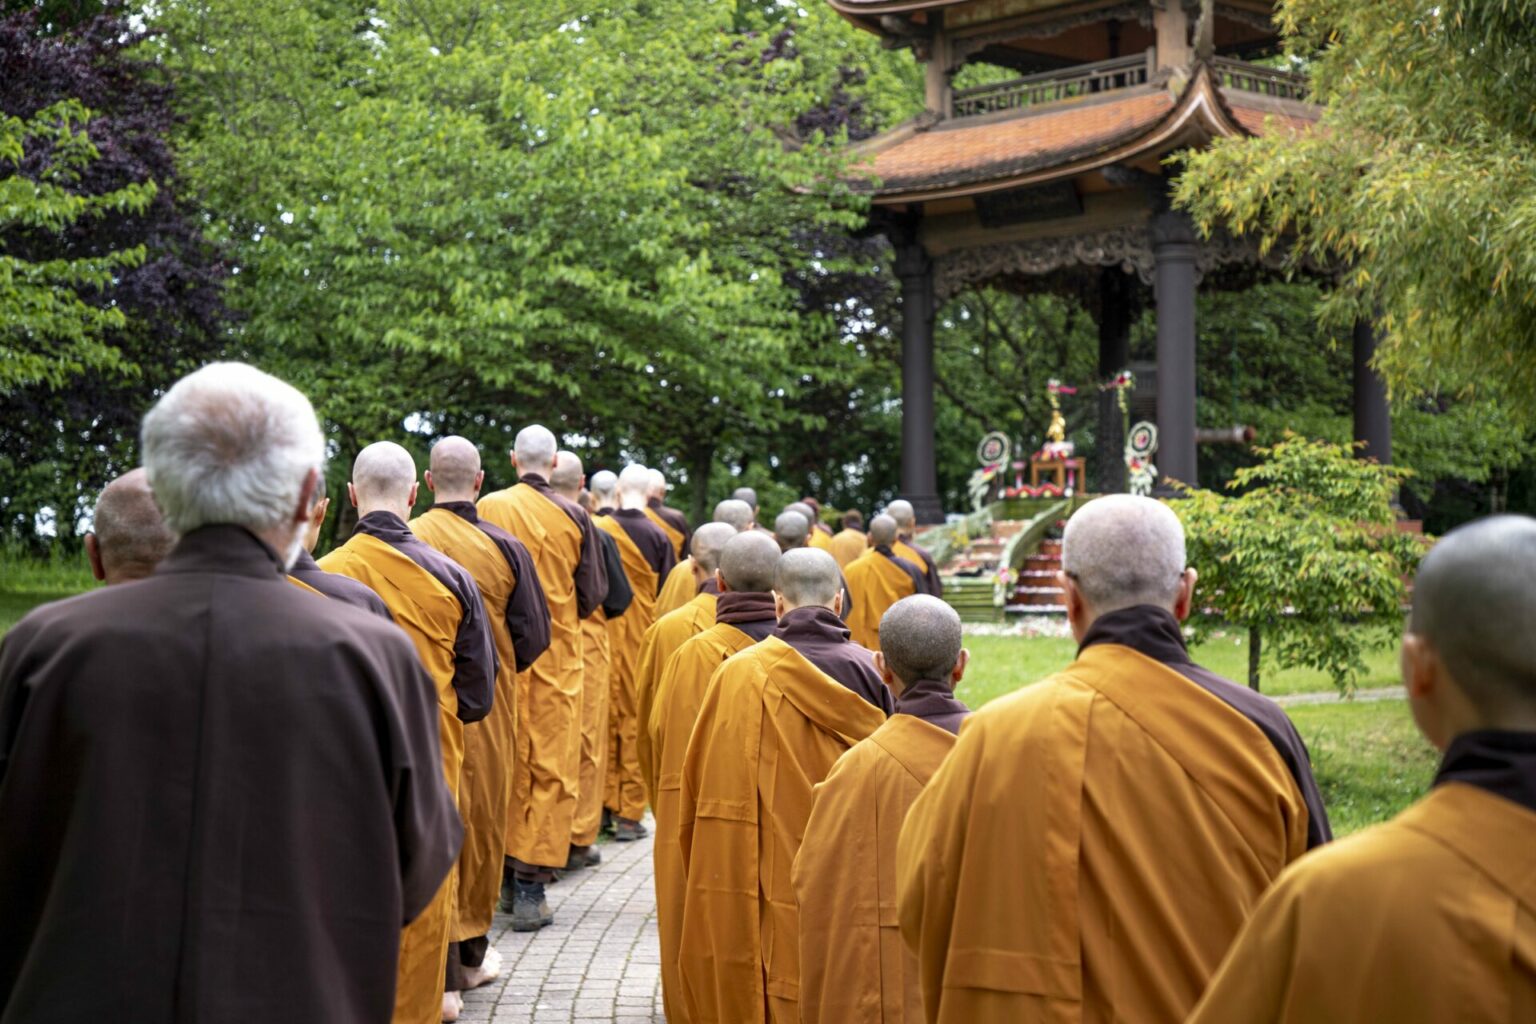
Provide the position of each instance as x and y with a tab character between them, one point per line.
1022	710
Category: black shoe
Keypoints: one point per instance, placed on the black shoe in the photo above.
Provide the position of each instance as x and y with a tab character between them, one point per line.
608	819
577	860
505	904
530	910
626	830
594	858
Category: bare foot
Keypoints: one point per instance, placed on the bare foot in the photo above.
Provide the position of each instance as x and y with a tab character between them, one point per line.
487	972
453	1005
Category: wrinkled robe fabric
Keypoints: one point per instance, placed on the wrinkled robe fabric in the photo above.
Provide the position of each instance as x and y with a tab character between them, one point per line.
661	641
847	545
307	571
878	579
680	689
819	539
596	694
854	967
648	556
519	620
920	557
1429	917
679	588
670	522
547	742
438	605
221	797
823	639
1091	847
770	727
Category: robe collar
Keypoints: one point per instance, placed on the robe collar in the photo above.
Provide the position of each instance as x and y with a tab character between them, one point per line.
1145	629
812	623
465	510
655	503
386	526
538	483
632	514
1502	762
930	699
223	548
736	607
885	549
709	586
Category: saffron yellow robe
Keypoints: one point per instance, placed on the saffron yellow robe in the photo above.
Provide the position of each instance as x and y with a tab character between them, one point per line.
676	536
547	741
854	968
679	690
1430	917
429	613
593	748
679	588
625	790
819	539
771	726
876	583
1091	847
666	635
848	545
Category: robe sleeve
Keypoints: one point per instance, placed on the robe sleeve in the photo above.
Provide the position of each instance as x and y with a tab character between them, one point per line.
617	598
527	608
474	656
664	566
1252	981
591	576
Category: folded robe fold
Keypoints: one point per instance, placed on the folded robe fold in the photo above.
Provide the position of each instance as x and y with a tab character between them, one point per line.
678	589
661	641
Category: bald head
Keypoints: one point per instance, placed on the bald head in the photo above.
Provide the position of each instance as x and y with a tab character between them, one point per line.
708	541
634	484
748	561
735	512
128	537
454	468
920	638
534	450
605	488
882	531
853	519
791	529
747	495
901	510
567	476
1123	550
1474	603
383	479
808	577
655	484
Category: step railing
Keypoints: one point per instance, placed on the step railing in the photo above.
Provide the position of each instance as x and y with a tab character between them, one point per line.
1052	86
1245	77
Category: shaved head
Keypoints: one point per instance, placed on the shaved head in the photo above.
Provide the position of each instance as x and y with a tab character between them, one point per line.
567	475
901	510
1474	602
708	541
634	483
383	476
853	519
747	495
802	508
1124	550
455	466
129	535
656	484
748	561
882	530
920	638
806	577
791	529
735	512
605	488
534	450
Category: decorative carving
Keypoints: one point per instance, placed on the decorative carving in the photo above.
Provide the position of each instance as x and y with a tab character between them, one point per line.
965	46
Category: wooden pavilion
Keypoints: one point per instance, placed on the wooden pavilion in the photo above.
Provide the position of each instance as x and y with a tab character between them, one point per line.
1055	178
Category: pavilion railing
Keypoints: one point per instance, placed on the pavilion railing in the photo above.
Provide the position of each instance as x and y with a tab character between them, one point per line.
1237	74
1051	86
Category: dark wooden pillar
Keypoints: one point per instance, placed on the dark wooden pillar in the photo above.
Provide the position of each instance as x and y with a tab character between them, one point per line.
1174	248
919	471
1117	293
1373	416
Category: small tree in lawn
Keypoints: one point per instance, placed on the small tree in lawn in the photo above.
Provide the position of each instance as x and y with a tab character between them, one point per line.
1306	555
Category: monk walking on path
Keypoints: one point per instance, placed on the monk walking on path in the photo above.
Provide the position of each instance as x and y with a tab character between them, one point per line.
878	579
222	795
1094	842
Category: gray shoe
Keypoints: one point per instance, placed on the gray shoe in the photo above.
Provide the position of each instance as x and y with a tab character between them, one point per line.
530	910
626	830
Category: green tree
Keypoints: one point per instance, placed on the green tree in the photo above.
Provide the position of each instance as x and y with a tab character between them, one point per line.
1306	556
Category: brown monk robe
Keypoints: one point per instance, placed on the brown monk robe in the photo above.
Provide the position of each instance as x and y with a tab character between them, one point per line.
849	542
879	579
128	537
220	792
770	727
438	605
854	967
1431	916
818	633
669	632
672	522
744	614
560	537
1094	842
306	572
906	525
647	556
519	621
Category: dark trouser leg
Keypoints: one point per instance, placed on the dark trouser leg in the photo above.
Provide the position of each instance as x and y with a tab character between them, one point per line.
525	872
454	973
472	951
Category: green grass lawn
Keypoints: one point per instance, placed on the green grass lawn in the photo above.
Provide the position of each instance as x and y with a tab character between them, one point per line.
27	583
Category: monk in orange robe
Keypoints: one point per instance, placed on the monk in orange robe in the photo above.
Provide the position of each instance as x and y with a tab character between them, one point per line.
670	631
879	578
1431	916
566	554
596	655
647	556
906	525
684	581
792	529
1094	842
850	542
743	615
821	533
438	605
854	967
519	620
672	522
307	574
128	537
770	727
